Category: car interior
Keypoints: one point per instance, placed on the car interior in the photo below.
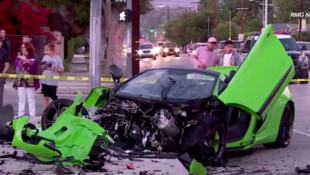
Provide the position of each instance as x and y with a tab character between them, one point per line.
237	120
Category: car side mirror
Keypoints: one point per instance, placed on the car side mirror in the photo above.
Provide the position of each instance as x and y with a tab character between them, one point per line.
116	73
303	48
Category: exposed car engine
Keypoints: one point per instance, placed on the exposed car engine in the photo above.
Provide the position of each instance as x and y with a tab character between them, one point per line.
142	126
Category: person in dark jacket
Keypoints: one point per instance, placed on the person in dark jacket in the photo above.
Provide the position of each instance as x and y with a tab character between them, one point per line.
6	43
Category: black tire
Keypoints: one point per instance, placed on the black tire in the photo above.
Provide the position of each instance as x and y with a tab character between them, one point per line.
213	125
56	106
154	57
164	55
285	129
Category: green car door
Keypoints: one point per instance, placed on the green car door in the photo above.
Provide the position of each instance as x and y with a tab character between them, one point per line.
261	78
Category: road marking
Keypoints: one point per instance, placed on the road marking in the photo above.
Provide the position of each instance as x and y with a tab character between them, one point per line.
302	133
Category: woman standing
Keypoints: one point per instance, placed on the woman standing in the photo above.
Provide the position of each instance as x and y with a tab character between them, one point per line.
26	64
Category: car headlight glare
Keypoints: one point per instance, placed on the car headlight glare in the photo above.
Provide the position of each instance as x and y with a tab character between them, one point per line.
139	52
166	50
177	49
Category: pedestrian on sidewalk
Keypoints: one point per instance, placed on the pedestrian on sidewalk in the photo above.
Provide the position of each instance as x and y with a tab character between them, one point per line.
205	57
51	65
4	67
26	64
229	57
6	43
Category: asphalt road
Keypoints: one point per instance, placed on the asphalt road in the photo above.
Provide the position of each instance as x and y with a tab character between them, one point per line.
259	161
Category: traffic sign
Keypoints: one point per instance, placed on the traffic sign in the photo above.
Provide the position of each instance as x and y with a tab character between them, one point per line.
125	16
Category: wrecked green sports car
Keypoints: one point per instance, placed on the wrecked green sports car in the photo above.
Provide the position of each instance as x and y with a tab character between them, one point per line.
199	112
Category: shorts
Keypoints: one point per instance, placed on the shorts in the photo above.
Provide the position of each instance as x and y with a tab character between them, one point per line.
49	91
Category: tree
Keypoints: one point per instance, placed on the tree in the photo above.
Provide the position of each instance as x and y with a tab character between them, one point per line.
23	18
114	31
221	32
285	7
189	27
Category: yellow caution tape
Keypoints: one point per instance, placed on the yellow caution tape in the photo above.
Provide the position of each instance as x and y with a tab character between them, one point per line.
299	80
68	78
56	77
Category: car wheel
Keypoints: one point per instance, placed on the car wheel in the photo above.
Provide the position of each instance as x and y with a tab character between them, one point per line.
285	130
305	77
215	138
164	55
154	57
53	111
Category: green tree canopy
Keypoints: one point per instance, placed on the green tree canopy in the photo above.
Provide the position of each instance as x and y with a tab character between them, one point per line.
221	32
189	27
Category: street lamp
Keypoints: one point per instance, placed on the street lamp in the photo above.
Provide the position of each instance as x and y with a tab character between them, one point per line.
265	11
229	11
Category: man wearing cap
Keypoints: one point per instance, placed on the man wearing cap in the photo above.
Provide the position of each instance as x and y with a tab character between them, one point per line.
205	57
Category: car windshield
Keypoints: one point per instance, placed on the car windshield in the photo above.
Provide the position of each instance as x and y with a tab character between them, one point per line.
288	43
236	44
146	46
188	85
171	45
306	46
160	44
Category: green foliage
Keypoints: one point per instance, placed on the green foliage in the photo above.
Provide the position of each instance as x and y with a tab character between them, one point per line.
221	32
189	27
305	36
285	7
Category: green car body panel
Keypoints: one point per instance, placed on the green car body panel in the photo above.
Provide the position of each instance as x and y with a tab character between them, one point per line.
95	97
70	137
260	88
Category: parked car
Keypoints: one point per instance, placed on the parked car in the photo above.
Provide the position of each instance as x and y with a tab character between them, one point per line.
193	48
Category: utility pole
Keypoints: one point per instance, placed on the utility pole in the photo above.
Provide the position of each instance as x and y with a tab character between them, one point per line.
95	43
198	5
266	13
242	16
208	26
128	44
300	19
135	37
168	13
214	13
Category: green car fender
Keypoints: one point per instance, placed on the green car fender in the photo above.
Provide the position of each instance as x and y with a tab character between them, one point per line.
97	97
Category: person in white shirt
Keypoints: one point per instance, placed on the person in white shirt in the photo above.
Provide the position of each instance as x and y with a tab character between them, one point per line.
229	57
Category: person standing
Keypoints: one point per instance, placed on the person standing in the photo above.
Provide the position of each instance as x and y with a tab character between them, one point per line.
4	67
52	66
229	57
6	42
205	57
26	64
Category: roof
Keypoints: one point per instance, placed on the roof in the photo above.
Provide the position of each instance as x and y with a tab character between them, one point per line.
280	36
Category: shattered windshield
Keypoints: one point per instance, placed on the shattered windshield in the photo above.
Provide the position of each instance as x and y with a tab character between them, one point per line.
188	85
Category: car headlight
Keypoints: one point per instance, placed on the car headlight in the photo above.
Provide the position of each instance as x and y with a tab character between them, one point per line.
194	52
177	49
139	52
301	57
154	51
166	50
